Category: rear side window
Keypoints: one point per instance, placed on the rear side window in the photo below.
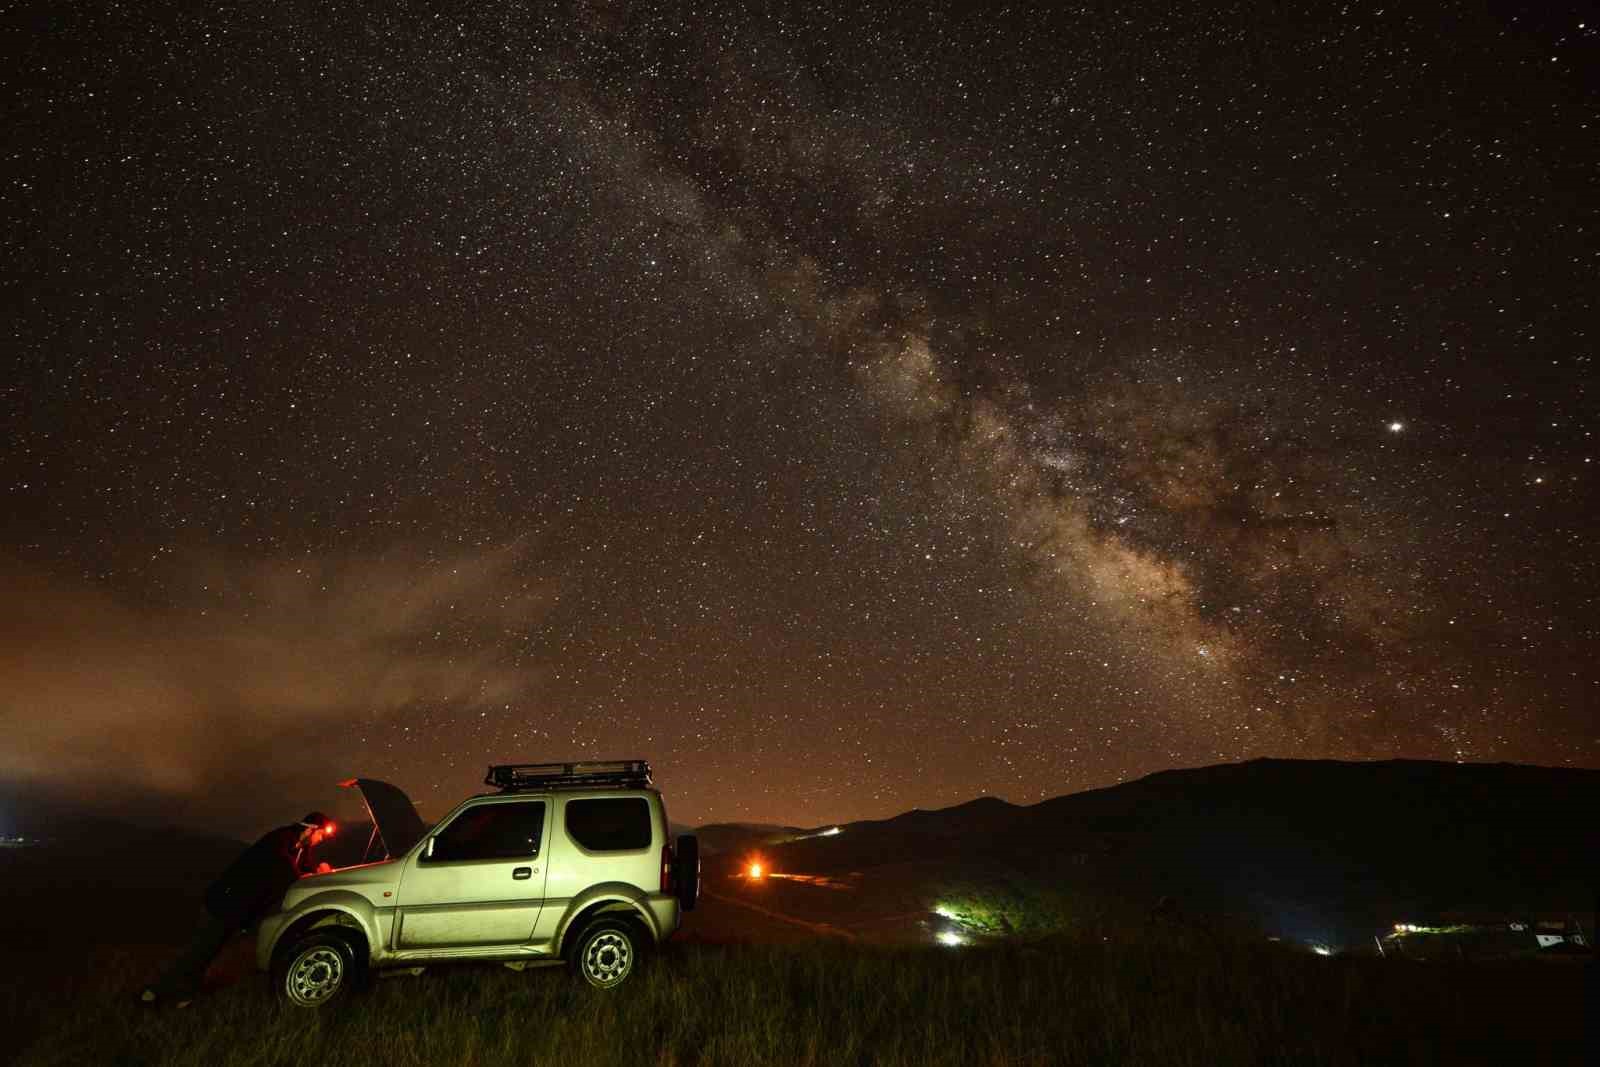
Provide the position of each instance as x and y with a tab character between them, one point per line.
491	832
609	824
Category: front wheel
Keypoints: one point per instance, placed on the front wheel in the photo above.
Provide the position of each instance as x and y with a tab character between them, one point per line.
607	953
316	970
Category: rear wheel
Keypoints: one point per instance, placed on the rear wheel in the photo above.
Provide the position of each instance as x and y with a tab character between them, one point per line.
316	970
606	953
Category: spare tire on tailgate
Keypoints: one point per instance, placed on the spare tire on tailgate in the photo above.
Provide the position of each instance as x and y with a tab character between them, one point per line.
686	871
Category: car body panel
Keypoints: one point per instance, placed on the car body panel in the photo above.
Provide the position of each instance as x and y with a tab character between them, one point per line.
572	865
464	903
659	912
325	904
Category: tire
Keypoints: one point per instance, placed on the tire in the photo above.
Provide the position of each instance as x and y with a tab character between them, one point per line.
316	970
686	871
607	952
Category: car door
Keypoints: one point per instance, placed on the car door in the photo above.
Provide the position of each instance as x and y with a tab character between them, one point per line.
477	881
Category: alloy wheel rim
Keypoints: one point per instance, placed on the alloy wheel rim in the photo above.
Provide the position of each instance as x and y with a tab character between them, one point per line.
315	975
608	959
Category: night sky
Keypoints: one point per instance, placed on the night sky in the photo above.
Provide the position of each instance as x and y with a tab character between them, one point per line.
848	408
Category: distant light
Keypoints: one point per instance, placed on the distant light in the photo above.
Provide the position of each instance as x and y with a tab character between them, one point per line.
831	831
951	938
1322	950
755	870
1396	426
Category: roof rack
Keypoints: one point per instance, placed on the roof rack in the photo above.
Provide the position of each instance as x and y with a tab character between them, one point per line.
518	777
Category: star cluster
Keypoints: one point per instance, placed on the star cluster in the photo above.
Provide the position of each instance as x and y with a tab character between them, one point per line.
847	407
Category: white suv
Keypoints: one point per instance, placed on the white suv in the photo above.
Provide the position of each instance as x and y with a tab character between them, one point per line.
568	862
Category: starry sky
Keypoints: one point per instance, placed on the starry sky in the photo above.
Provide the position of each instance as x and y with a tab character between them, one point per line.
848	407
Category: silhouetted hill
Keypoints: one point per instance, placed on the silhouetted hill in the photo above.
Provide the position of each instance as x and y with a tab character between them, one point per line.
75	849
1317	851
92	877
975	816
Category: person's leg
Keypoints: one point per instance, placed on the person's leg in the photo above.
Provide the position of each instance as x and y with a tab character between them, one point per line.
182	978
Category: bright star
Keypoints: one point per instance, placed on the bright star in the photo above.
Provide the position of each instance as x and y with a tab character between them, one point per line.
1396	427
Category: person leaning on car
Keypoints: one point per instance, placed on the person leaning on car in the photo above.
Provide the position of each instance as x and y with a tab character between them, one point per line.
251	887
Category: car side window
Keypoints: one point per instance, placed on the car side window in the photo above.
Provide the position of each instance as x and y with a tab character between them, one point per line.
491	832
609	824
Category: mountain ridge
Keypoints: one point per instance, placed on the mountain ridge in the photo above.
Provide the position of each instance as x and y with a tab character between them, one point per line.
1317	850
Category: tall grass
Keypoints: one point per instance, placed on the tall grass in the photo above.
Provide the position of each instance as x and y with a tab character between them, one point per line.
1069	1003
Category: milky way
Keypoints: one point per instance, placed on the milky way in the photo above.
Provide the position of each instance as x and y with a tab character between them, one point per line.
848	409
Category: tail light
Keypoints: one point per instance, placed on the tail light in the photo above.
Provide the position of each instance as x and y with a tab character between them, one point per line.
666	869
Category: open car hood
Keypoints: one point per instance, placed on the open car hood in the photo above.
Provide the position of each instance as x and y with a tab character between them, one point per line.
396	826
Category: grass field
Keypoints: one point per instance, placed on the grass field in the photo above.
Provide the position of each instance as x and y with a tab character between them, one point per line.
837	1003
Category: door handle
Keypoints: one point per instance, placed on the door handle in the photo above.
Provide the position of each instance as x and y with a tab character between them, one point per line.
521	873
